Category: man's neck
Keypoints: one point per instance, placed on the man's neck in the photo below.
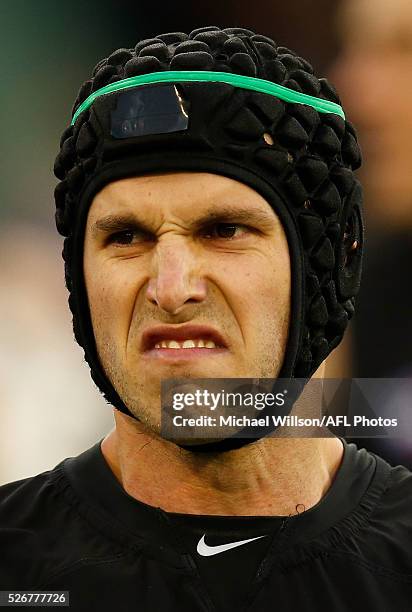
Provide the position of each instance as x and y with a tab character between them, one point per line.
271	477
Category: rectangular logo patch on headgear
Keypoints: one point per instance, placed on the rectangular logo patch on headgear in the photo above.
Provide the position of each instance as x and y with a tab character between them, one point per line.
147	110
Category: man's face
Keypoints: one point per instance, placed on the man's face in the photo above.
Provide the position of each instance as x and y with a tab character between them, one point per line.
194	253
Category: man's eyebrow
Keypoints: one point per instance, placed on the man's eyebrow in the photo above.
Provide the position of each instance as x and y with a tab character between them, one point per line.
118	223
219	214
234	214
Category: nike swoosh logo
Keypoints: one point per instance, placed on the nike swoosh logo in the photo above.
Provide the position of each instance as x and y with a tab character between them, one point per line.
207	551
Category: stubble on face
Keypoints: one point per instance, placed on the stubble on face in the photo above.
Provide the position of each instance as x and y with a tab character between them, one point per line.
246	289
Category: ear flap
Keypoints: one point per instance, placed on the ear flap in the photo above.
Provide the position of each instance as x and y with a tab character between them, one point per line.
349	257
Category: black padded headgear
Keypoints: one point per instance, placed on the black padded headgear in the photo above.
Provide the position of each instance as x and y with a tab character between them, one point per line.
300	160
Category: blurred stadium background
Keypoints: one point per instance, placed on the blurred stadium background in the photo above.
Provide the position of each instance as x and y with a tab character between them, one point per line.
49	408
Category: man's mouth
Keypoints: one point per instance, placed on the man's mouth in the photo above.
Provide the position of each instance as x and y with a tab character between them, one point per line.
182	341
186	344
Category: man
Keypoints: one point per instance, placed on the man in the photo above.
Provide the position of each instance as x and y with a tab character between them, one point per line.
213	229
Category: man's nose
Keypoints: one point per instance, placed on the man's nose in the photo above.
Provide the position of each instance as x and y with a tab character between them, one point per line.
176	278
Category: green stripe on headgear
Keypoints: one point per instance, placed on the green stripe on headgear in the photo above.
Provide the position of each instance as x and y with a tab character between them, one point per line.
200	76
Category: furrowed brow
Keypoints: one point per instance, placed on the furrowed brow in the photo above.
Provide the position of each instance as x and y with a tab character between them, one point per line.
118	223
221	214
229	214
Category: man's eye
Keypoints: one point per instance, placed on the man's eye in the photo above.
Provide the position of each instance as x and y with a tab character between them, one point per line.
127	237
225	230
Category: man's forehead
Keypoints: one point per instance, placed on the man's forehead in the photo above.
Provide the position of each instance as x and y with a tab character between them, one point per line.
188	194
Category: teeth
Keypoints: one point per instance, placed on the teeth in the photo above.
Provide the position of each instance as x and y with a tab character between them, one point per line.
189	344
174	344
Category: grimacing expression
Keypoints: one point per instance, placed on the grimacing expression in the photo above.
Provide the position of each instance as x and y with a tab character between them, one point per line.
178	250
